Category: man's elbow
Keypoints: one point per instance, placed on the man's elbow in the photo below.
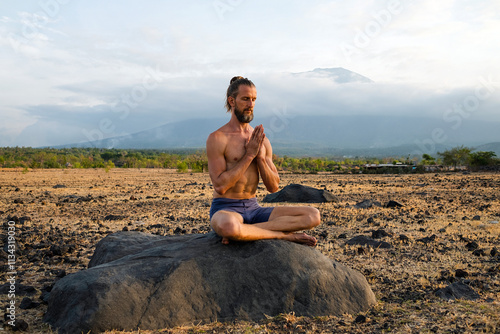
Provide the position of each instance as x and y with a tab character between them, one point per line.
220	190
273	189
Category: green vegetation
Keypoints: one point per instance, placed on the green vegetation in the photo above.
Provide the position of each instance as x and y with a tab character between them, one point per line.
27	157
196	160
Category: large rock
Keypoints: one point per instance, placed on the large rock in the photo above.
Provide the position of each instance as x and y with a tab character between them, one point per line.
297	193
142	281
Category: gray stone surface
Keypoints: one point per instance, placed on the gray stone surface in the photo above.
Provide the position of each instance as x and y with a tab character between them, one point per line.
142	281
297	193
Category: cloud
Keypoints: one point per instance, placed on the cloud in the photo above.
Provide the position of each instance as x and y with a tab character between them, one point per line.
176	99
91	62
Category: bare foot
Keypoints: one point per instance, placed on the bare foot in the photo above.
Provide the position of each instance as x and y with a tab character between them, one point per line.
301	238
225	241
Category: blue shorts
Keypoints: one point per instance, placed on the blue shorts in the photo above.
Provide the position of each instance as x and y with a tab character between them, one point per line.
249	209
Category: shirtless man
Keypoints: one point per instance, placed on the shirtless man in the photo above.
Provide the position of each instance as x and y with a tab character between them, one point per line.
237	155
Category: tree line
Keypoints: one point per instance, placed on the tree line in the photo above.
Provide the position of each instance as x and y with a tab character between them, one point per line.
196	160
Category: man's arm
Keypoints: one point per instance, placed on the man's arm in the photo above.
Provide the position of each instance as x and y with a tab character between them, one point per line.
267	169
222	178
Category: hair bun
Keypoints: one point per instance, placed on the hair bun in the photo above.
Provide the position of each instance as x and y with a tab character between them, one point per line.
235	78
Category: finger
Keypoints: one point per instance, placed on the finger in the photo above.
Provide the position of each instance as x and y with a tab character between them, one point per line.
257	133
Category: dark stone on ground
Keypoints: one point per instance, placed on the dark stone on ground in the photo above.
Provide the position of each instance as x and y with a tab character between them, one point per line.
20	325
380	233
472	246
21	289
367	241
138	280
27	303
114	217
493	251
393	204
296	193
461	273
367	203
457	290
404	238
360	319
427	240
479	252
57	186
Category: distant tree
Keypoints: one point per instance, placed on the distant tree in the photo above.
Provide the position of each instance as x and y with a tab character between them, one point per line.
457	156
482	158
182	167
427	159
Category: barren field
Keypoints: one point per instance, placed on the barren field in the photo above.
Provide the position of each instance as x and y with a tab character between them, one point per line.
445	231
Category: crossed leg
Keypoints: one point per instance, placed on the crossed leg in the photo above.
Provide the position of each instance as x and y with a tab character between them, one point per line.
283	223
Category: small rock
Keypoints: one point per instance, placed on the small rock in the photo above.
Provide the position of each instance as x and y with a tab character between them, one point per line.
360	319
366	241
493	251
457	290
427	240
471	246
114	217
324	234
21	325
393	204
476	217
403	238
57	186
461	273
367	203
380	233
479	252
27	304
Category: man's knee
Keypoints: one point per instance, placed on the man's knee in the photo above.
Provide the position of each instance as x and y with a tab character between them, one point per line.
226	225
314	217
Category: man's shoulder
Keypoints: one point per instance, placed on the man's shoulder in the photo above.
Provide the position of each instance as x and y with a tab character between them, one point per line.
218	138
220	133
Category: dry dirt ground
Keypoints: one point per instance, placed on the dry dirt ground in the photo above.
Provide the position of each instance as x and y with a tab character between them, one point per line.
446	231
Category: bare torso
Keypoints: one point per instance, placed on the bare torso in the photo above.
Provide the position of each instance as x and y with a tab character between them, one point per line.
234	150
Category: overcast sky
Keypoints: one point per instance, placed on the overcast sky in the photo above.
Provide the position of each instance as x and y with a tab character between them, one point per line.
73	70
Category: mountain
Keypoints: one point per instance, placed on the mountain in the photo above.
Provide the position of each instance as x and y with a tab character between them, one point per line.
355	135
338	74
493	147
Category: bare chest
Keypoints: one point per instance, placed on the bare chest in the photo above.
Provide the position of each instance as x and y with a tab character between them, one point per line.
235	149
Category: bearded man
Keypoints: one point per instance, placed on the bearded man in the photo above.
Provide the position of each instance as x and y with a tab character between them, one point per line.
237	155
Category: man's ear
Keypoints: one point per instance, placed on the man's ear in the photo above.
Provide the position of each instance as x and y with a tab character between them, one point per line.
230	99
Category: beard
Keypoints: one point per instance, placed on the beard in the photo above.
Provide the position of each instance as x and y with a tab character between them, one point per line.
240	115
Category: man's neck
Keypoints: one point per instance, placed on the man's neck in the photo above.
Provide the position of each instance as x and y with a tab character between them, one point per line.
237	125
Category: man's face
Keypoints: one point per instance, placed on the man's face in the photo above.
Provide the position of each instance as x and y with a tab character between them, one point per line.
244	103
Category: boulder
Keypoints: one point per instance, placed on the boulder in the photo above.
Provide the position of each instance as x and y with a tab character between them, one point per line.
296	193
142	281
